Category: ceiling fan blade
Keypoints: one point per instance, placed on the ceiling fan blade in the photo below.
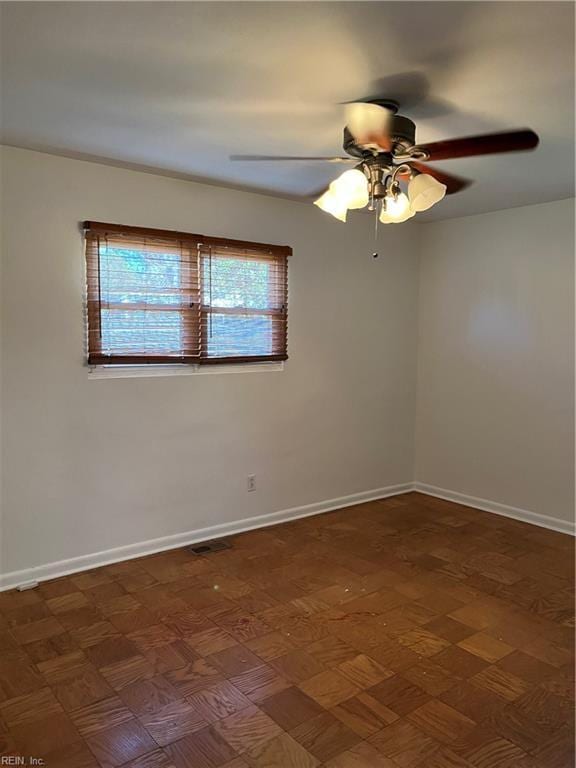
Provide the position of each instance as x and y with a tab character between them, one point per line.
453	183
488	144
289	158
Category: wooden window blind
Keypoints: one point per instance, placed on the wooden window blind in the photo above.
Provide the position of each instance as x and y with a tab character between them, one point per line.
156	296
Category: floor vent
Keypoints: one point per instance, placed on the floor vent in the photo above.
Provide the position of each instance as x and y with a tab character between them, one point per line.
207	547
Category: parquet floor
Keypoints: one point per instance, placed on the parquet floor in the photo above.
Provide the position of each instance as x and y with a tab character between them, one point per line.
395	634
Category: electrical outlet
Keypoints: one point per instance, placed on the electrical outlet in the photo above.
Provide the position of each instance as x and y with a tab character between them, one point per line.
251	483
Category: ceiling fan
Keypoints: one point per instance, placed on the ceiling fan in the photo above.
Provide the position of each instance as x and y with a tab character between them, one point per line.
383	145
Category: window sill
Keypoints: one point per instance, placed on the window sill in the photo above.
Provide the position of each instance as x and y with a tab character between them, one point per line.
151	371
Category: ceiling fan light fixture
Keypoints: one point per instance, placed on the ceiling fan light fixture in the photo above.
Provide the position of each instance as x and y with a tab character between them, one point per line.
351	189
383	145
396	209
424	191
329	202
364	120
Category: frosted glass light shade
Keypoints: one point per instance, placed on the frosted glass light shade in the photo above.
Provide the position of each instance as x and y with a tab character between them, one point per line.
364	120
396	210
424	191
330	203
351	189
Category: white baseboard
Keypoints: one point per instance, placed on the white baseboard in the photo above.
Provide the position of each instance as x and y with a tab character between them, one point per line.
524	515
131	551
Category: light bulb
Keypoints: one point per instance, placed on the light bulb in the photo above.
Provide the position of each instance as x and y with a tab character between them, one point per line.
351	189
396	210
424	191
331	203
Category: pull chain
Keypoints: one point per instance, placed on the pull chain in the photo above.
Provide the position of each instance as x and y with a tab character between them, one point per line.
376	218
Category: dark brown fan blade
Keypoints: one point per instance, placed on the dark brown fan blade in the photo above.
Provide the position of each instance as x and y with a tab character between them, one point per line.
453	183
489	144
283	158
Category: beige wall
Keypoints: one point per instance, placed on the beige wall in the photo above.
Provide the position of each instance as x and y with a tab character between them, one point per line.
495	414
92	465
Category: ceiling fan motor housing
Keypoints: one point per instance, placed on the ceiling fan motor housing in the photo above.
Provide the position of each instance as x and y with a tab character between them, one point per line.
403	131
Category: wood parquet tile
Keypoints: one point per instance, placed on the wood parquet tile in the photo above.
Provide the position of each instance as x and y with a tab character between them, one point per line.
364	714
399	695
441	722
203	749
329	688
291	708
219	701
405	633
116	745
364	755
247	729
324	736
404	744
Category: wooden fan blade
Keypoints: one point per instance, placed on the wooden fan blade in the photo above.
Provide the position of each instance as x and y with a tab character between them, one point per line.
488	144
283	158
453	183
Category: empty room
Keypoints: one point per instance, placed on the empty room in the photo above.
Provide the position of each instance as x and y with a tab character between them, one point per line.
287	384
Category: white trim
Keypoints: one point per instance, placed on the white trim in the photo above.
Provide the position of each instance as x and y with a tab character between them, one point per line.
524	515
150	371
131	551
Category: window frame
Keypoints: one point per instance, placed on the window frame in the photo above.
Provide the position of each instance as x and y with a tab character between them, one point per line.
198	311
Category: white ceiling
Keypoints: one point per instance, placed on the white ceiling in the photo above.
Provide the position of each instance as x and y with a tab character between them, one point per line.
179	86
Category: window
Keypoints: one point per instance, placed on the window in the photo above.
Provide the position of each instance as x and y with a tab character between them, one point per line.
170	297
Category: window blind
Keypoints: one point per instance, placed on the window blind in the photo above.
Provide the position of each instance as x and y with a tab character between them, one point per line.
157	296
